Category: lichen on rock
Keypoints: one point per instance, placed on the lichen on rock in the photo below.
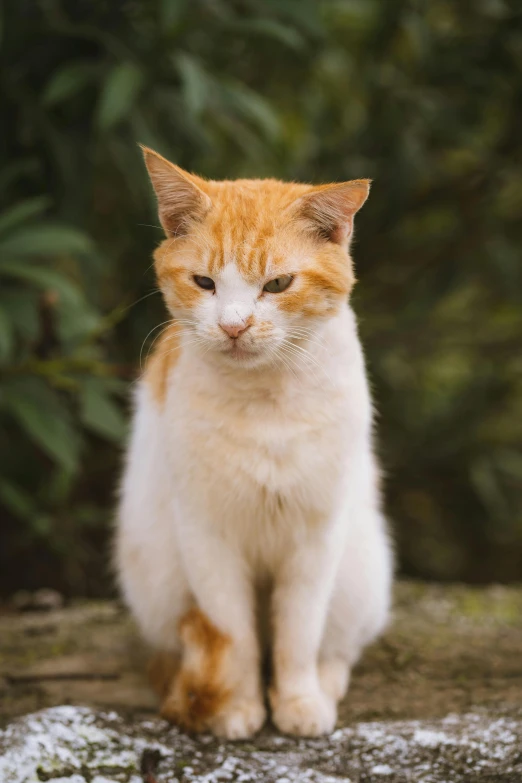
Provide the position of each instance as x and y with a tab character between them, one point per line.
79	745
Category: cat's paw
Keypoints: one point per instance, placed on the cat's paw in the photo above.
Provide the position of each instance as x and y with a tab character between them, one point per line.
240	719
309	715
334	677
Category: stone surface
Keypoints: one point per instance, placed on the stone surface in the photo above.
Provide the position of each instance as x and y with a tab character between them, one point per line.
77	745
449	650
87	653
42	600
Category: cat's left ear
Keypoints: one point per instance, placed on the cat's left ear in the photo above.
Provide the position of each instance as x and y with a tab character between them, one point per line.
330	209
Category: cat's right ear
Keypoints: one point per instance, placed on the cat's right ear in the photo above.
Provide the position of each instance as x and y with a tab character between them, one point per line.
181	196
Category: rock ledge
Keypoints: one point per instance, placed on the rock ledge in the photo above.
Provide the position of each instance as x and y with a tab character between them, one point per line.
79	745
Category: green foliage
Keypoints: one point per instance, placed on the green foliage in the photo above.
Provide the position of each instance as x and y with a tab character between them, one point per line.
425	96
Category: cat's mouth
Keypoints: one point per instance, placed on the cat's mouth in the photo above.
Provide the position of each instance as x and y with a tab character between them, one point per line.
240	352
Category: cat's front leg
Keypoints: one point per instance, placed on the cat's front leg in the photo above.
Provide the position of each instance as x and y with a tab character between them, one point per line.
218	687
300	603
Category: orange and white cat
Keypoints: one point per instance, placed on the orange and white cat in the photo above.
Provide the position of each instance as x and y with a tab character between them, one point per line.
250	518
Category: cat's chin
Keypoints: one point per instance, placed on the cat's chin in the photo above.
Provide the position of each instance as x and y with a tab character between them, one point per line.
240	356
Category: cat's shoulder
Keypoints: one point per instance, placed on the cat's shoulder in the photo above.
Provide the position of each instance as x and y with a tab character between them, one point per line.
163	357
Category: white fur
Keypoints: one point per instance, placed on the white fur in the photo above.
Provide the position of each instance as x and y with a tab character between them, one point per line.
256	478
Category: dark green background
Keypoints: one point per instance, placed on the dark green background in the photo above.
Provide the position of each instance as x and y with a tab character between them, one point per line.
423	96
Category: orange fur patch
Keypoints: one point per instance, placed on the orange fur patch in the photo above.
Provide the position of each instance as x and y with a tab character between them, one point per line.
320	289
176	280
161	671
198	692
163	358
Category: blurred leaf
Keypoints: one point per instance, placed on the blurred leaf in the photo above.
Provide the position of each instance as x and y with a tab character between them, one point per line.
170	12
43	415
100	413
6	335
303	13
274	29
76	318
14	170
41	276
42	526
44	239
16	500
194	81
21	309
254	108
119	93
359	15
27	209
67	82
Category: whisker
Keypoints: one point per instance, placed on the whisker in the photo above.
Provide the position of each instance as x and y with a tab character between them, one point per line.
281	359
297	350
288	366
308	334
321	348
306	353
298	358
148	335
151	293
153	343
194	341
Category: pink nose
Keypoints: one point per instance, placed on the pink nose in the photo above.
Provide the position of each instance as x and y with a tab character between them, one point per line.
234	331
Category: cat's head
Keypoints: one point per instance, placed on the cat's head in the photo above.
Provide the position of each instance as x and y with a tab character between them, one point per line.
250	267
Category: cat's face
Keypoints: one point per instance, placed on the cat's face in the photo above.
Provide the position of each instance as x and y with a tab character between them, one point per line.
250	268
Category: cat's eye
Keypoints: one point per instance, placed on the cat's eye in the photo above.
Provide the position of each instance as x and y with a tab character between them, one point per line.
205	282
278	284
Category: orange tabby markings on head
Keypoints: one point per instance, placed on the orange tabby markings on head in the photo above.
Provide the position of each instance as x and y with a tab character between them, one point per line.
177	282
260	226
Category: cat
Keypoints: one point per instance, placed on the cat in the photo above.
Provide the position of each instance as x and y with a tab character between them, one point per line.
250	519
